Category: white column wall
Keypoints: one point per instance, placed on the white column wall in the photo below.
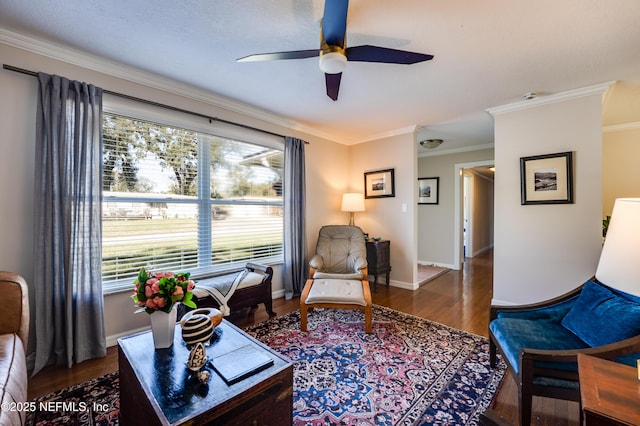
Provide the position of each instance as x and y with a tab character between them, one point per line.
542	251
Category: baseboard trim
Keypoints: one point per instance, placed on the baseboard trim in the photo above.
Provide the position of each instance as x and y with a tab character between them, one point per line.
442	265
480	251
402	284
499	302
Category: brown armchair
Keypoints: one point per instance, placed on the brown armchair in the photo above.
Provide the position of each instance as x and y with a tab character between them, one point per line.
14	335
338	274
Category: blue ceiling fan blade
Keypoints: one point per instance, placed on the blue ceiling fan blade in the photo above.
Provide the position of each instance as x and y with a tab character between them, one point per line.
334	21
386	55
333	85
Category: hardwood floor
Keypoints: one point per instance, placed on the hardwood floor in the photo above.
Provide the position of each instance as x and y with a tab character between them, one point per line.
459	299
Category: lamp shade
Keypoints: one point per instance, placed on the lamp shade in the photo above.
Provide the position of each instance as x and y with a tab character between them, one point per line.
619	266
352	202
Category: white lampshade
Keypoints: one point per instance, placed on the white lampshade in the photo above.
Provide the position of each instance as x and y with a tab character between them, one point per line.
352	202
619	265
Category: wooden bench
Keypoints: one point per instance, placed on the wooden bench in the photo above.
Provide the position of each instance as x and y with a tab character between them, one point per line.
255	288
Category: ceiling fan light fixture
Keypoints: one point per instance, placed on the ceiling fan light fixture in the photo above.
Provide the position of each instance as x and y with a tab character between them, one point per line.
431	143
333	62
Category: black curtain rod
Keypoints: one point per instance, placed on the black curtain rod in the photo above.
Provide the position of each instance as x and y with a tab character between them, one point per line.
157	104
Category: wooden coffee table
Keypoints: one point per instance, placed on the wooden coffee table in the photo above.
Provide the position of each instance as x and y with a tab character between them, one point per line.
610	392
156	387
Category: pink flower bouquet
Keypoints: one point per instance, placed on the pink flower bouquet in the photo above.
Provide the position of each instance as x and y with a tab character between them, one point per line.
159	291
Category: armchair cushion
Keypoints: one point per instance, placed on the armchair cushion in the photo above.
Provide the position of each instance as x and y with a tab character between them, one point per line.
342	250
326	275
336	291
511	334
597	306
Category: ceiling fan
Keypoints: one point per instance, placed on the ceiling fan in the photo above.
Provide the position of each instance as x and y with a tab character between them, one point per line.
333	52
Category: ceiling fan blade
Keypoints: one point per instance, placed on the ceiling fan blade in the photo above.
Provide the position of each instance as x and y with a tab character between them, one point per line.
333	85
333	52
334	21
385	55
276	56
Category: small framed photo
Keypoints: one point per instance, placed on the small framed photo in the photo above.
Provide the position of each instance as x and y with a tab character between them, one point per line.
428	191
379	184
547	179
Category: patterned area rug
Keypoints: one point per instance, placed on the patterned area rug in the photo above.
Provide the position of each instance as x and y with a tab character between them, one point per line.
409	371
95	402
428	273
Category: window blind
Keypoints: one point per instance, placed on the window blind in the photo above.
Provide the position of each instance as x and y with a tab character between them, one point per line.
177	199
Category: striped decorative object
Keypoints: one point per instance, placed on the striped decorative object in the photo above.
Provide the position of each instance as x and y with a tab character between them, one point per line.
196	328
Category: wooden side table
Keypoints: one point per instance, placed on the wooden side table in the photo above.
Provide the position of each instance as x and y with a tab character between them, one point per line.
378	255
609	391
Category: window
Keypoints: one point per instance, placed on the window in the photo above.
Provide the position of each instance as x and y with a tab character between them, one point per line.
180	199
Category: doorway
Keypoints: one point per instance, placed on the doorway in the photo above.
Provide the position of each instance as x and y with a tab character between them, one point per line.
473	209
467	202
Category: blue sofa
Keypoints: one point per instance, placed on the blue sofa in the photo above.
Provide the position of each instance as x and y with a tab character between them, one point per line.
540	342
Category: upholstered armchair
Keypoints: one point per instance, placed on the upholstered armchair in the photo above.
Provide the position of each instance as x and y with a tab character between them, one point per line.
14	335
338	274
540	342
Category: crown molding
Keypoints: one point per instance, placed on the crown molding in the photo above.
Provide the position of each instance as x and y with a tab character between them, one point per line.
621	127
386	134
456	150
601	88
104	66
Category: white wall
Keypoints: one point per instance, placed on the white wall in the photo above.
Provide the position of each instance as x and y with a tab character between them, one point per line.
326	167
543	251
327	177
385	217
17	152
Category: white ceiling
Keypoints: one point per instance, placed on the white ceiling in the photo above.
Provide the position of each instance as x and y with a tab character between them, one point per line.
487	53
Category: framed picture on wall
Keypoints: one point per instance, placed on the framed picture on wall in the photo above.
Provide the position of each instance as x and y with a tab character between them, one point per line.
547	179
379	184
428	191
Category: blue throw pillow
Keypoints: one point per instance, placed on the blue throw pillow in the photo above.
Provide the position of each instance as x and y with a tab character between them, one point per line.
600	317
